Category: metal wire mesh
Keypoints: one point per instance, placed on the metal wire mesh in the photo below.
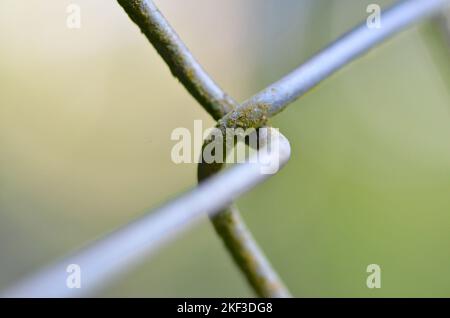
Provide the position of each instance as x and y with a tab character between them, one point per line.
121	250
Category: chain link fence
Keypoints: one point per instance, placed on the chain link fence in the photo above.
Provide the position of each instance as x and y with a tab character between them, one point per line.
123	249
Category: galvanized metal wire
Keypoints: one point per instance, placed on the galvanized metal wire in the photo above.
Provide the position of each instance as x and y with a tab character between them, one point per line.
228	223
177	56
104	260
341	52
120	251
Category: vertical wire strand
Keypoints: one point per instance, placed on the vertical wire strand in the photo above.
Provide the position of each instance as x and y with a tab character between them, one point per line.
231	119
228	223
178	58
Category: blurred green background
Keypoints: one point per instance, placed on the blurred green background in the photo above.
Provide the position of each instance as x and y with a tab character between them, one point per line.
85	122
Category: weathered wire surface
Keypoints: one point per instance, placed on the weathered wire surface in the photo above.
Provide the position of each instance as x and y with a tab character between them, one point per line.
119	251
228	223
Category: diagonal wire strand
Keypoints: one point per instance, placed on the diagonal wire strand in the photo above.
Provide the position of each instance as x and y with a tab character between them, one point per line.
104	260
148	238
273	99
177	56
228	223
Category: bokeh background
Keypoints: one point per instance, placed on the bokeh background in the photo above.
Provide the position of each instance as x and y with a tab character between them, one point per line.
85	122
